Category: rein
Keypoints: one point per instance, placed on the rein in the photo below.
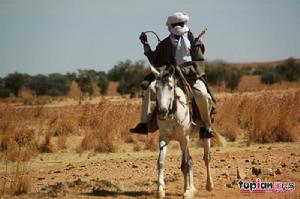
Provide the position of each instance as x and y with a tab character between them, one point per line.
186	85
173	106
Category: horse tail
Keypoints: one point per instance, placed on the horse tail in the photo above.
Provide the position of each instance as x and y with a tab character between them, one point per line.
218	140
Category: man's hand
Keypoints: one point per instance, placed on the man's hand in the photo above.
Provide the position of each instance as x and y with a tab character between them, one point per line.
143	38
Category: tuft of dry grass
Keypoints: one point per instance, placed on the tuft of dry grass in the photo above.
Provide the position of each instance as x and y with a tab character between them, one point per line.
137	147
21	181
18	144
106	125
278	119
74	91
47	146
61	142
266	116
101	140
108	141
18	141
152	142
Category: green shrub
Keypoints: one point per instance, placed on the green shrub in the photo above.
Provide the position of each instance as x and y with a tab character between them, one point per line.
4	92
215	73
58	84
54	92
289	70
218	72
269	76
233	78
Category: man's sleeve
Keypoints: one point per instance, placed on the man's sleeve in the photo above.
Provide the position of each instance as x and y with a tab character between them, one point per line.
152	55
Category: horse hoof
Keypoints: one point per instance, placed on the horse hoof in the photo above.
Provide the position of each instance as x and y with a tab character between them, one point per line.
161	193
209	187
188	195
193	190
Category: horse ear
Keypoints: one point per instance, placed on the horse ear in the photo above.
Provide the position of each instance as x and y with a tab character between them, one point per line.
172	70
154	71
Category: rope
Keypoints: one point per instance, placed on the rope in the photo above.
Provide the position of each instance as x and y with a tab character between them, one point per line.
186	85
150	31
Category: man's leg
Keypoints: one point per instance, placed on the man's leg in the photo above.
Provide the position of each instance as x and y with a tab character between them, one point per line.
204	104
148	105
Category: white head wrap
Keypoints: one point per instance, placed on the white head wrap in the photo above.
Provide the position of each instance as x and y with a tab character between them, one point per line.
182	44
177	17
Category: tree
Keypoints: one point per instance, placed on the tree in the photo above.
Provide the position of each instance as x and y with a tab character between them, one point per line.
129	74
102	81
71	76
4	92
39	84
15	82
84	81
118	71
58	84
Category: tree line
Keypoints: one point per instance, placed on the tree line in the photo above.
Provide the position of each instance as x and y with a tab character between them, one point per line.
130	74
289	70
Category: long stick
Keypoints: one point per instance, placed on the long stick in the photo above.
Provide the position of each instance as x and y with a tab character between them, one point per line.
201	34
185	83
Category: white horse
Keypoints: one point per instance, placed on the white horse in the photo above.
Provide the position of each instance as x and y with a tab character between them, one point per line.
174	122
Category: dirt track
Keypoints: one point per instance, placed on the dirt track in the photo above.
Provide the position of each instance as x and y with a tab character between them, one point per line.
133	175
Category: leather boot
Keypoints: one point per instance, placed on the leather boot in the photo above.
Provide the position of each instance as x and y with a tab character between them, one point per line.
141	128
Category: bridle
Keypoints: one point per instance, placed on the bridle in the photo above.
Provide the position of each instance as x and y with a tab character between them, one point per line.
176	98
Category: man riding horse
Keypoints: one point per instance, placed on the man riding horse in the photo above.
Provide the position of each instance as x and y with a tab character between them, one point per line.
181	49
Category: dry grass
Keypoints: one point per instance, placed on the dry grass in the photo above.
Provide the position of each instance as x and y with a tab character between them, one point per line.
18	181
137	147
96	90
253	83
152	142
21	180
61	142
18	144
74	91
277	118
268	116
112	89
107	125
18	141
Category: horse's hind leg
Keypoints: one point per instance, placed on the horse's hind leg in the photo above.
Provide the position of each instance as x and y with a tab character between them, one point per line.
186	168
207	158
161	166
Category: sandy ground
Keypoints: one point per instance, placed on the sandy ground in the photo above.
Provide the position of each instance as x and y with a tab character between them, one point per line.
133	174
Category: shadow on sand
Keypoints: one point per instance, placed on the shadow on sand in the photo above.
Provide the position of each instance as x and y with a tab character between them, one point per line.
107	193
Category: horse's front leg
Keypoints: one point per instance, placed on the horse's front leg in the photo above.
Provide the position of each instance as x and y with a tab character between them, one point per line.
207	158
161	166
186	168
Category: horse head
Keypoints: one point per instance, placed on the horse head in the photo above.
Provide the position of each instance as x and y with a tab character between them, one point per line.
165	90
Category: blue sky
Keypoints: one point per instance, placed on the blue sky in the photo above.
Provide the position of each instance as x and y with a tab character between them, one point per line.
46	36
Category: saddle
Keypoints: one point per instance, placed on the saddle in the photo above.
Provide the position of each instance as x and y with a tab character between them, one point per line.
194	111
